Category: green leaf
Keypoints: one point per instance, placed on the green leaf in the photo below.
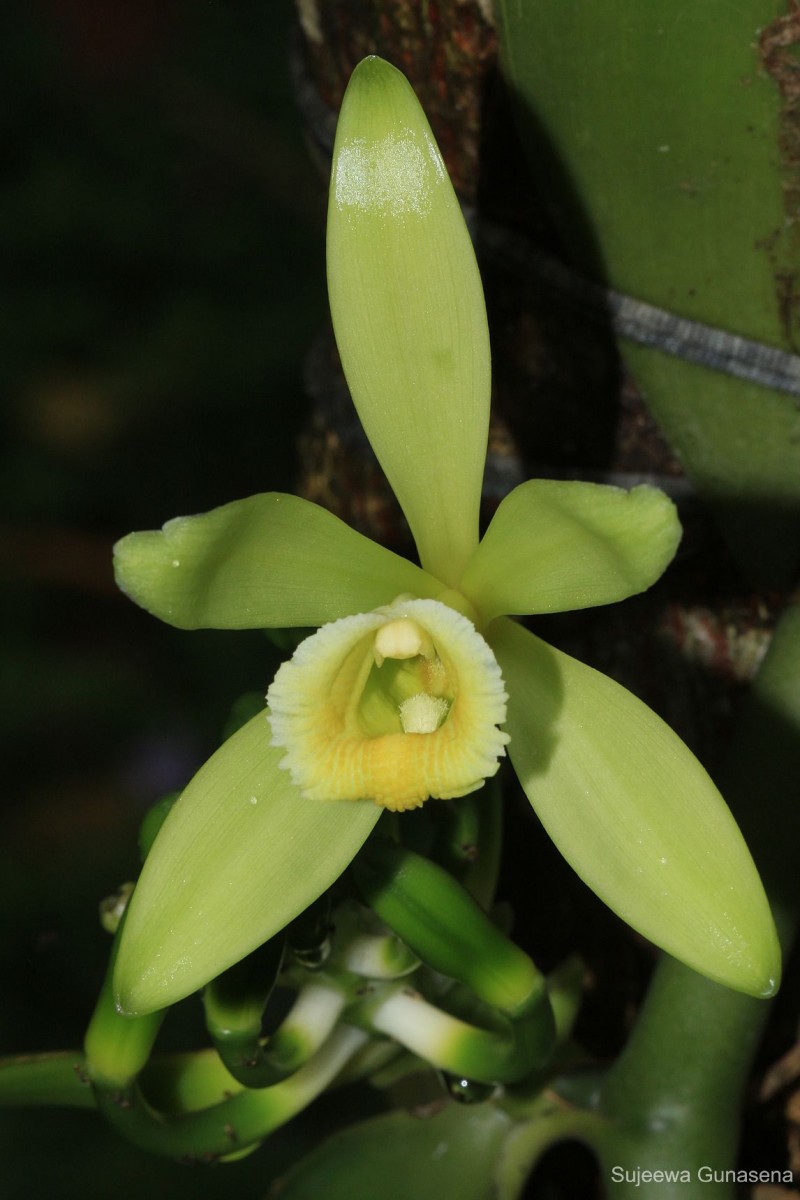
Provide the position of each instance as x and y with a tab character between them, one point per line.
397	1155
668	151
555	546
239	856
272	561
408	313
635	814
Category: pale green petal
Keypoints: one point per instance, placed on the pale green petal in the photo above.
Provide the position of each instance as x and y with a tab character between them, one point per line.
271	561
554	546
408	313
635	814
239	856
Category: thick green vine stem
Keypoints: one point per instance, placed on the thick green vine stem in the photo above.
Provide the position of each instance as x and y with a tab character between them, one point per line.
478	841
446	928
463	832
468	840
310	1021
674	1098
503	1053
362	945
238	1121
234	1004
117	1048
36	1079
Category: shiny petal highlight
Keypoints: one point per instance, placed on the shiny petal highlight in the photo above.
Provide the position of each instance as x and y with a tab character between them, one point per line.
408	313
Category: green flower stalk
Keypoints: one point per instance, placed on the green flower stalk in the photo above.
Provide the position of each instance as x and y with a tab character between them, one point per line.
418	681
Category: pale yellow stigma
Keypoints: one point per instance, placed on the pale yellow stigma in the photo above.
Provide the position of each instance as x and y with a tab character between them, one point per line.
422	713
395	706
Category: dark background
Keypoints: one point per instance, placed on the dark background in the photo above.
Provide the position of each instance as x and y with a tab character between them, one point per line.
162	250
162	277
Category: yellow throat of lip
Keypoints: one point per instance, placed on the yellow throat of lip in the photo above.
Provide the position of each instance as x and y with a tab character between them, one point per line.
394	706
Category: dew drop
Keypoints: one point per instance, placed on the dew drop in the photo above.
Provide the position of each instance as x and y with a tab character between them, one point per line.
465	1091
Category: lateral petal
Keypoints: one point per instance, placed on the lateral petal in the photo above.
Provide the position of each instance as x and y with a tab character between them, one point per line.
240	855
635	814
270	561
556	545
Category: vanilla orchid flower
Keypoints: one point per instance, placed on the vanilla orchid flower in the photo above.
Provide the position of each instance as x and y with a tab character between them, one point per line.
419	680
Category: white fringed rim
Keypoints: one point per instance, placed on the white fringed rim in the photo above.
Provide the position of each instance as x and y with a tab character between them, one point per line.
314	714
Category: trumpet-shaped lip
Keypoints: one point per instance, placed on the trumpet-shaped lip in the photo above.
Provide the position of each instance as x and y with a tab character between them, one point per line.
314	712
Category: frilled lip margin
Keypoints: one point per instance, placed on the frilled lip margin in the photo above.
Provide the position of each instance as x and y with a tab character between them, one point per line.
441	740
